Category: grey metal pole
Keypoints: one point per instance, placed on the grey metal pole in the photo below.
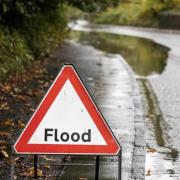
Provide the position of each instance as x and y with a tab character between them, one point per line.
119	164
97	168
12	164
35	166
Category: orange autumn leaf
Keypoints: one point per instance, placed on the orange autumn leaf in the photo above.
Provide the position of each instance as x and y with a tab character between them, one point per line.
7	88
21	125
4	153
151	150
30	172
3	133
8	122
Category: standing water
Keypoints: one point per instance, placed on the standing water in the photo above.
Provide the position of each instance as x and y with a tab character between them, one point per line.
146	59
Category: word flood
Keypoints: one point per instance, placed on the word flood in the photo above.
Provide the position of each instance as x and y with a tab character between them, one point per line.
53	134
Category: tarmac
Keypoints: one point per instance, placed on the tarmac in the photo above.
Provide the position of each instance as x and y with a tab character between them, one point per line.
115	91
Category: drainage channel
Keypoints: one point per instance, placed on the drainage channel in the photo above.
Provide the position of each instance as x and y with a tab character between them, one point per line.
160	158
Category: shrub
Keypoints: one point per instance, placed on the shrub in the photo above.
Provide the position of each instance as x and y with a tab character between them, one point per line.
28	29
126	14
14	51
143	13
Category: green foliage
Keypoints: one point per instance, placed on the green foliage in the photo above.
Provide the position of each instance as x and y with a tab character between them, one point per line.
18	11
126	14
177	5
92	5
142	12
73	13
14	53
45	32
29	29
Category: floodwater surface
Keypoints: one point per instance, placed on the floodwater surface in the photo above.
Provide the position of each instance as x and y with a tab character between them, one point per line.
144	56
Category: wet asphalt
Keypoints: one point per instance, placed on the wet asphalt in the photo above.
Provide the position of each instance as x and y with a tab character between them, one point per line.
161	90
114	89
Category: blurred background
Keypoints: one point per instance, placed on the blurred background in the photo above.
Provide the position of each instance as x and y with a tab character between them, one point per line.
31	29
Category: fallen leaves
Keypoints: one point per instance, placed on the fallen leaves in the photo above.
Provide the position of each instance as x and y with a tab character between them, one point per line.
4	154
19	95
149	116
4	105
4	133
8	122
3	147
29	172
16	159
21	125
19	158
148	172
17	90
7	88
48	159
151	150
2	142
47	167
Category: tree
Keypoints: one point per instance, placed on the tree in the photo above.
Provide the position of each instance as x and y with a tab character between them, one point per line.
93	5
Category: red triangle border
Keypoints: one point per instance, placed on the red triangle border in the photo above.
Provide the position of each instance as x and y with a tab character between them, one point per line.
68	72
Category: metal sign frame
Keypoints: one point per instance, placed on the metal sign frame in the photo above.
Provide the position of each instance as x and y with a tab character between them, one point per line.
117	153
96	166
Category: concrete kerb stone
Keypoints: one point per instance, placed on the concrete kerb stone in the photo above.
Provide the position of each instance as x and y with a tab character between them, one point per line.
138	162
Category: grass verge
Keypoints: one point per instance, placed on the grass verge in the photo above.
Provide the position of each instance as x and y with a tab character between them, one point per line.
137	13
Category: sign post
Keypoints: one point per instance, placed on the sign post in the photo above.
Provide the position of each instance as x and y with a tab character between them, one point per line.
67	121
119	164
97	168
35	166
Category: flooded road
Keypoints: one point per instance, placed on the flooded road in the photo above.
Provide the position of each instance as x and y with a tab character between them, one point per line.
144	56
111	82
148	60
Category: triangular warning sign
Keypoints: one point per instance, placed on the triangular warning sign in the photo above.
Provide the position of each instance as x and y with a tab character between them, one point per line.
67	122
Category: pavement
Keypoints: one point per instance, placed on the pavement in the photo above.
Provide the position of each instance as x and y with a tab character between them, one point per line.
115	91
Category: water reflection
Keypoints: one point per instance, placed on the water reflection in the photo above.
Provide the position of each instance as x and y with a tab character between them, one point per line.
144	56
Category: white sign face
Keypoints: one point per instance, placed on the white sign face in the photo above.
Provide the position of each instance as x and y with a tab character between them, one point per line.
67	122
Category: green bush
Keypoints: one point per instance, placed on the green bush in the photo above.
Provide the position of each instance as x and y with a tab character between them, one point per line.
92	5
127	14
73	13
28	30
45	32
14	52
142	13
